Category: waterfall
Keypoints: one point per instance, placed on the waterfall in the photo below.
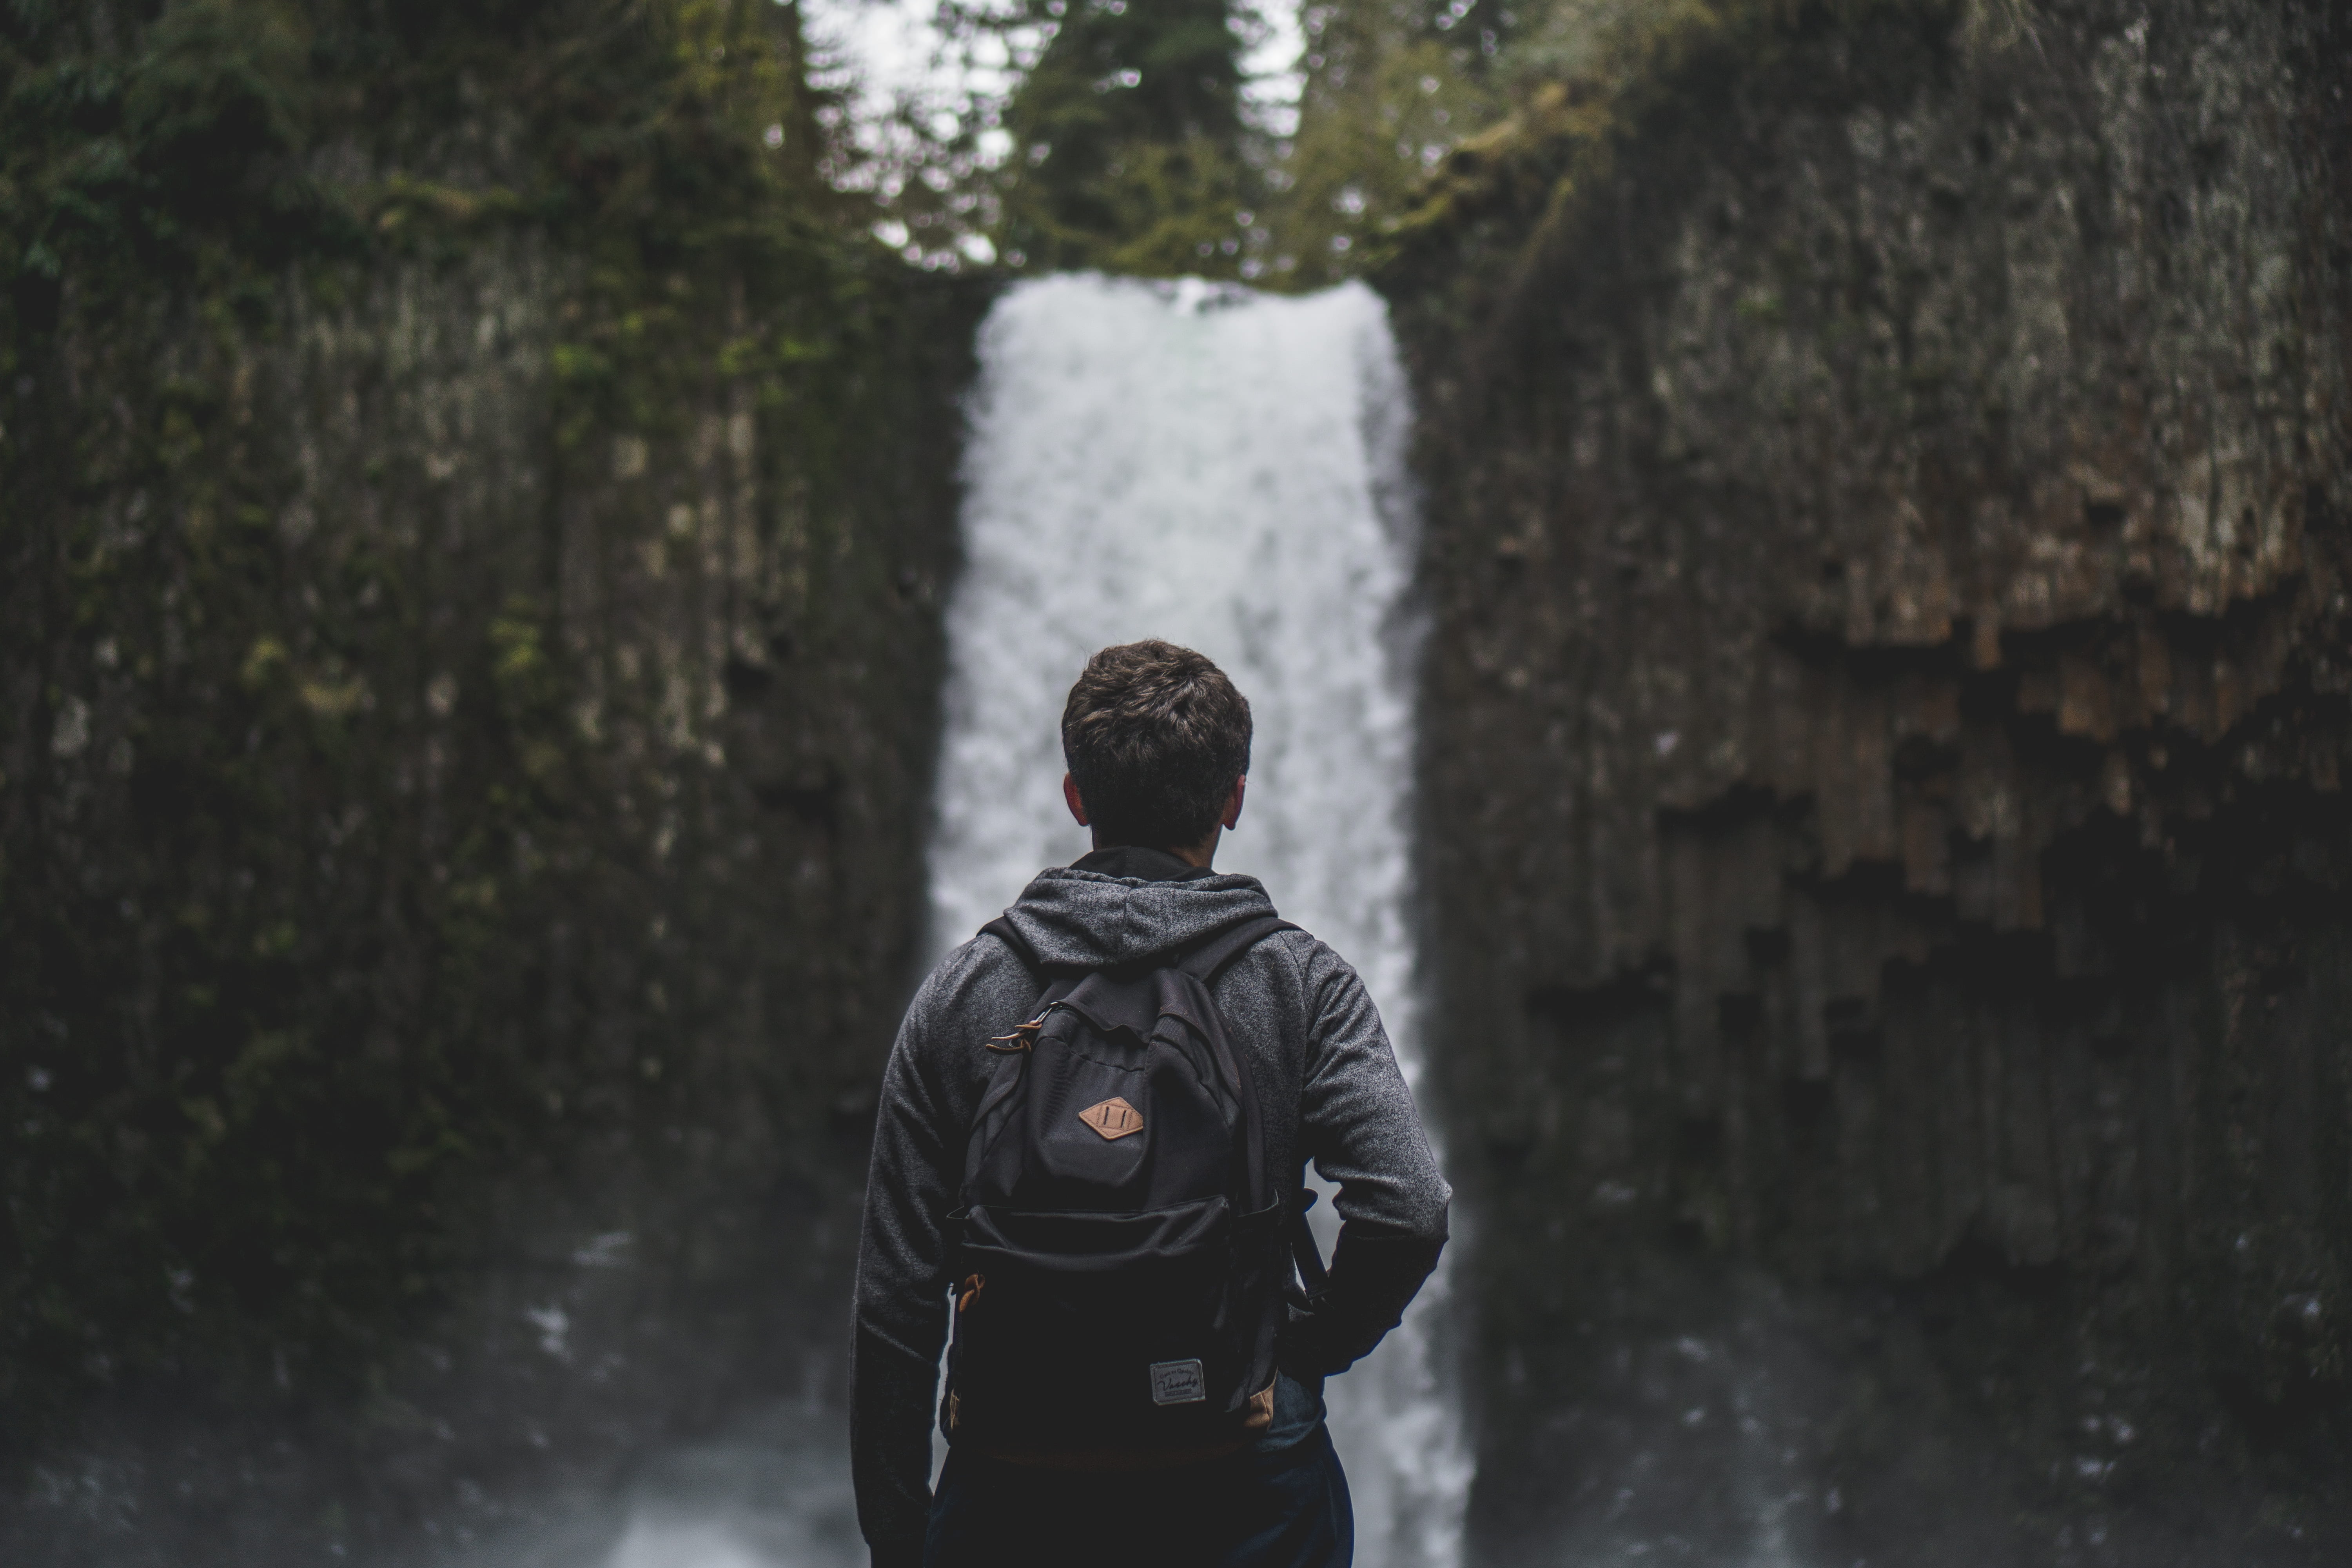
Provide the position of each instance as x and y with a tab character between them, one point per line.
1224	469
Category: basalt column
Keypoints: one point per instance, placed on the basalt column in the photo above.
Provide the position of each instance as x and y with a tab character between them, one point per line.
1886	484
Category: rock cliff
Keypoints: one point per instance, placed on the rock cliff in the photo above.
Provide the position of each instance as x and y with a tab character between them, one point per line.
1886	481
468	665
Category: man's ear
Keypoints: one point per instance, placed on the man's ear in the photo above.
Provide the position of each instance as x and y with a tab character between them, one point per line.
1079	806
1232	817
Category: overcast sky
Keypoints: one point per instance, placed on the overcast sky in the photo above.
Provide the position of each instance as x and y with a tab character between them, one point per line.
892	48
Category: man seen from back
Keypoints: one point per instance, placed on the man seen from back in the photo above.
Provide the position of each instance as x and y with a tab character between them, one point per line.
1089	1156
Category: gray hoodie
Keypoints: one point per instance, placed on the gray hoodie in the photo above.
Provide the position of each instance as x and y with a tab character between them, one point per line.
1323	1067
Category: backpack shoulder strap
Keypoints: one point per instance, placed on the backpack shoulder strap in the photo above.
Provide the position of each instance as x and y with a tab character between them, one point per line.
1210	960
1304	1254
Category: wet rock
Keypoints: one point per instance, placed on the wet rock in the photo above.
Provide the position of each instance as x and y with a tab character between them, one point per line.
1887	536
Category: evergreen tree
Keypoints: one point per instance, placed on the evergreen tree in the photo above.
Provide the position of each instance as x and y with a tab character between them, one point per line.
1390	86
1128	141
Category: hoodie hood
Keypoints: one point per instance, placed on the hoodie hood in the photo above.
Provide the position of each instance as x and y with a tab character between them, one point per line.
1086	919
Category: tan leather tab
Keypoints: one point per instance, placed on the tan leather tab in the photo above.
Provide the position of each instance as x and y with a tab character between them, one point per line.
1260	1410
1114	1118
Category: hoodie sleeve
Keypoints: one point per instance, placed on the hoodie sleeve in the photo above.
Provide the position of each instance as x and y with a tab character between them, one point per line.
901	1299
1361	1129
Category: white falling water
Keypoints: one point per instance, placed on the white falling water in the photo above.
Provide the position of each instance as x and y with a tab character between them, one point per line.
1224	469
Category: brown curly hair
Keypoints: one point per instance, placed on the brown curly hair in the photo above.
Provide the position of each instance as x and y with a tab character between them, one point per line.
1155	736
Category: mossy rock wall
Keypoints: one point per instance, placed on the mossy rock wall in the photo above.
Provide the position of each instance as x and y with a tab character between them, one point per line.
1887	485
475	515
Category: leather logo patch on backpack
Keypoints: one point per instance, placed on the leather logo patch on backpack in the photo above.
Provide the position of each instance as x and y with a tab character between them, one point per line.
1178	1382
1114	1118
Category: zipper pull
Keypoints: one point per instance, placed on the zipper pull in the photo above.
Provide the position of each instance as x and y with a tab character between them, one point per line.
1024	1037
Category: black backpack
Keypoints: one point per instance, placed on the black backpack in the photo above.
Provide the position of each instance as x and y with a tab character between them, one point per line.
1120	1270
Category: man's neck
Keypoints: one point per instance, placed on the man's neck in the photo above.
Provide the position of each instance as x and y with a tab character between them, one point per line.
1130	861
1202	855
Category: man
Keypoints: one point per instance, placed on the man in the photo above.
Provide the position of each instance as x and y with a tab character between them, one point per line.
1157	740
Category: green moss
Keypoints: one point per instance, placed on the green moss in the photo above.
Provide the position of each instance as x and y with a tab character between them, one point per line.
1584	79
303	832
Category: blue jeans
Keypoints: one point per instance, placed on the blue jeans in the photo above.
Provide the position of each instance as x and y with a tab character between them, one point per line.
1284	1509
